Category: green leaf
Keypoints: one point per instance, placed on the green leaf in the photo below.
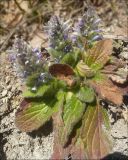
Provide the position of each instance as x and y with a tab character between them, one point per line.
96	66
46	90
68	59
36	94
96	142
31	80
99	54
75	148
71	58
86	94
33	115
106	118
54	53
72	113
99	77
84	70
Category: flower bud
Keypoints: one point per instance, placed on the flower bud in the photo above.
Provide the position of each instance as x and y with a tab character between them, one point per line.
84	70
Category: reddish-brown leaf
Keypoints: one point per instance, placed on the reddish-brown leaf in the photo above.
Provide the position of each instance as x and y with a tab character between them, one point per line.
59	152
78	150
74	148
107	90
96	143
63	69
99	55
33	115
63	72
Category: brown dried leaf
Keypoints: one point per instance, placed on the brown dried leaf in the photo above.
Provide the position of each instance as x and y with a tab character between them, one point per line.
63	72
109	68
63	69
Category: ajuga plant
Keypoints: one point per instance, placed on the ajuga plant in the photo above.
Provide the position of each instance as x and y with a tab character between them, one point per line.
65	83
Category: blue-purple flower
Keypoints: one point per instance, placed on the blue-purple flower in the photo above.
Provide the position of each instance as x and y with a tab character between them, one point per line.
58	35
87	28
26	60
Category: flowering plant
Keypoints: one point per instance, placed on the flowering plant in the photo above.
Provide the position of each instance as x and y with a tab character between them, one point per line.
65	83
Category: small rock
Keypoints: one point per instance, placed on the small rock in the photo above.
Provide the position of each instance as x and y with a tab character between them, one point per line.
9	87
4	93
13	89
3	108
5	100
9	94
119	129
7	81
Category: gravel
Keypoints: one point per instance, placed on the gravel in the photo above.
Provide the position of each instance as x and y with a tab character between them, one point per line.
18	145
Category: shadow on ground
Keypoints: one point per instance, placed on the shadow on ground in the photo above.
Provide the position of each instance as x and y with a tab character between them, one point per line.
2	154
116	156
45	130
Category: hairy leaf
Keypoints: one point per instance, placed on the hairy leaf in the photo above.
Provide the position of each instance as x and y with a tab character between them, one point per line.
32	115
74	149
78	151
68	59
63	72
31	80
84	70
108	91
36	94
54	53
72	113
106	118
113	65
86	94
71	58
46	90
96	143
99	77
64	69
99	55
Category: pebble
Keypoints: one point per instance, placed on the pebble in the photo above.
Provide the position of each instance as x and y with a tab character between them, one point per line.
7	81
9	87
13	89
4	93
5	100
9	94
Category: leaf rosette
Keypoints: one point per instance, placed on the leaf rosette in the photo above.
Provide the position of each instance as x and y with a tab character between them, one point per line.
75	79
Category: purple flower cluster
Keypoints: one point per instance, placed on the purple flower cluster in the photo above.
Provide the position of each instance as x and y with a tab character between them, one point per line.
58	34
26	60
87	27
62	40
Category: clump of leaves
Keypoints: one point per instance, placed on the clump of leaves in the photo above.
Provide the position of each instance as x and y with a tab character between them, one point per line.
75	76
